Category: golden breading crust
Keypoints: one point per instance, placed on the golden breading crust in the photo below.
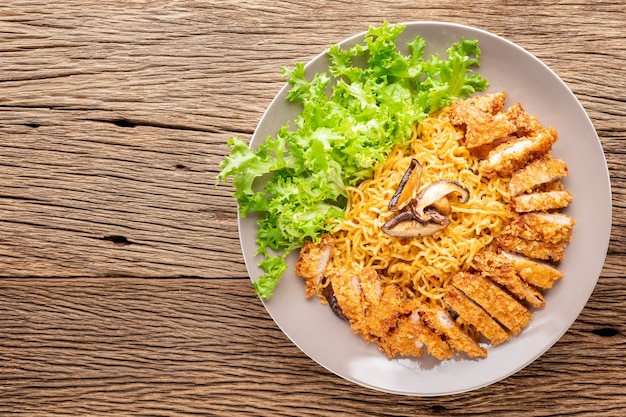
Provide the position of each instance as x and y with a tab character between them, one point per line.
539	274
380	314
347	291
482	152
441	322
513	155
550	186
544	227
473	314
500	269
480	115
536	173
383	306
403	340
545	251
312	262
500	305
487	103
437	347
526	124
542	201
527	127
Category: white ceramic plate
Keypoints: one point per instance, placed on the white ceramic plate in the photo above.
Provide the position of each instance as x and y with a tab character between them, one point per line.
330	341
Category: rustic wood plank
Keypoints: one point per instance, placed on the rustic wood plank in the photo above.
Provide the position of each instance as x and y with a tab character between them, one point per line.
91	198
183	346
222	60
79	107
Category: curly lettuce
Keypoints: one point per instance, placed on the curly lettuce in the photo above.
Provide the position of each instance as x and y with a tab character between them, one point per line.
352	116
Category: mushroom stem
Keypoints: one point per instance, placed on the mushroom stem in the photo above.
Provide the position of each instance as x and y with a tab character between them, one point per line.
432	196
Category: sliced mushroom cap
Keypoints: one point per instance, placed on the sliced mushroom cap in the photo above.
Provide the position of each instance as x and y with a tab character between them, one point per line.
329	295
406	225
407	190
435	192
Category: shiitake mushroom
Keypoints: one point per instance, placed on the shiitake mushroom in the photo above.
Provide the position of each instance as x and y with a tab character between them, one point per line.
425	213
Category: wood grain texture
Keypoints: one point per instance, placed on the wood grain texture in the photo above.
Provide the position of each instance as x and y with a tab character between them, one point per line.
123	290
91	198
192	346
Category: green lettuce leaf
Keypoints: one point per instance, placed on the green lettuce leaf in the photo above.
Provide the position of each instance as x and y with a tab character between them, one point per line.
352	116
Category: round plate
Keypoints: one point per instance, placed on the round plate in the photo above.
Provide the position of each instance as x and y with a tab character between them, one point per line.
329	341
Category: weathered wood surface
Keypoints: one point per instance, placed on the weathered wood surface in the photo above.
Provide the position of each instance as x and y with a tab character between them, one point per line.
123	290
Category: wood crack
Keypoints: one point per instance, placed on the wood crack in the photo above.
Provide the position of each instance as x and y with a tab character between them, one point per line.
129	123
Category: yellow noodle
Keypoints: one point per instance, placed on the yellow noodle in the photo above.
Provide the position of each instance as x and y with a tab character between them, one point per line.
422	266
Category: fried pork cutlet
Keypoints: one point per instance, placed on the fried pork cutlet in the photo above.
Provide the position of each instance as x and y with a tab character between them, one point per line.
500	269
539	274
500	305
487	103
441	322
371	311
536	173
545	251
348	293
542	201
550	186
473	314
482	152
380	314
312	262
436	346
527	127
484	123
403	340
542	236
382	306
526	124
513	155
544	227
410	336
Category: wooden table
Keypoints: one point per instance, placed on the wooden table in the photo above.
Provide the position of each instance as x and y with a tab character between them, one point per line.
123	290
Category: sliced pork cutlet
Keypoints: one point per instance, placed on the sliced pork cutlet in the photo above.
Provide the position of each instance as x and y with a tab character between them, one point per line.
542	201
312	262
513	155
490	103
483	121
383	315
500	305
550	186
539	274
473	314
383	305
499	269
436	346
526	124
403	340
463	110
536	173
349	296
544	251
443	324
543	227
482	152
